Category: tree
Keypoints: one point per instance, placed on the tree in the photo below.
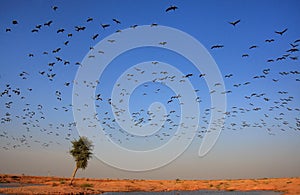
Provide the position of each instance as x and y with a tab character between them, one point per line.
81	152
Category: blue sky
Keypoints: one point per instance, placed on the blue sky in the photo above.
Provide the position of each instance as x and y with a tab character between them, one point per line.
40	126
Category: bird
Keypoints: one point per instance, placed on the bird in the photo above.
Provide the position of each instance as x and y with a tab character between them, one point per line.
235	22
116	21
228	76
292	50
15	22
48	23
280	58
281	32
54	7
294	58
56	50
269	40
216	46
133	26
39	26
188	75
253	46
95	36
104	26
58	59
172	7
293	45
79	28
60	30
89	19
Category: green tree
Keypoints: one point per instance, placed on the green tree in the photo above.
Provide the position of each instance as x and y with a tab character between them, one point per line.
81	152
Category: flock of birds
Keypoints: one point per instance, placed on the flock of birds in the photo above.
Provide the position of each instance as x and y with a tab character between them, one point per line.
272	116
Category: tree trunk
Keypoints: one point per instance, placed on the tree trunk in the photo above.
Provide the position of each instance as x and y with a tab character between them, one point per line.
73	175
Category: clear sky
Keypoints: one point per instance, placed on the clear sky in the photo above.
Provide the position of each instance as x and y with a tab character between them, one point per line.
258	63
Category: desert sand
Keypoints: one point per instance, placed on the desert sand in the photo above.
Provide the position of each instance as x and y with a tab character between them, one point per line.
59	185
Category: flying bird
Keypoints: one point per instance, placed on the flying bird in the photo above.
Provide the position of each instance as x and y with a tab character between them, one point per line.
116	21
79	28
172	7
39	26
292	50
163	43
89	19
217	46
48	23
95	36
228	76
105	25
253	46
188	75
294	45
269	40
54	8
281	32
56	50
60	30
133	26
235	22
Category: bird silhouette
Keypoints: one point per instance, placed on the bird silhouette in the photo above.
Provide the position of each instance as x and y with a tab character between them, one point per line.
79	28
104	26
116	21
95	36
60	30
89	19
217	46
253	46
48	23
172	7
281	32
269	40
234	22
54	8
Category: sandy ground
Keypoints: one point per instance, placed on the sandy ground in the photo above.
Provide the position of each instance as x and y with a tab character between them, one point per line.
58	185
